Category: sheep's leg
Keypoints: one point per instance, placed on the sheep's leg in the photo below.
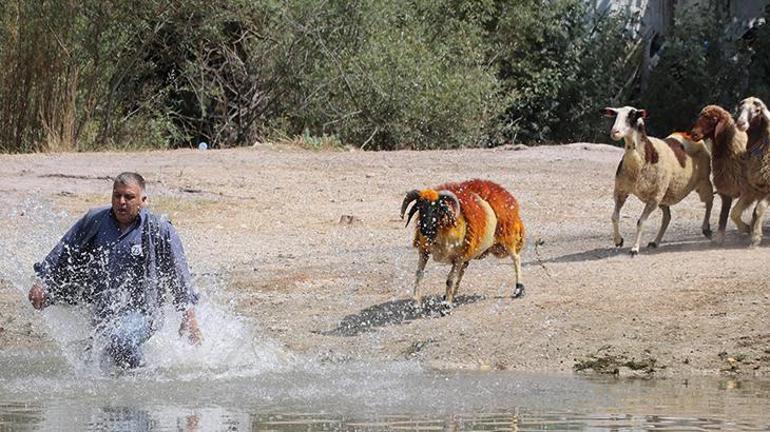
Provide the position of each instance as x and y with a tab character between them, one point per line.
452	281
422	260
706	194
620	199
649	208
663	226
727	201
460	275
518	288
756	222
736	213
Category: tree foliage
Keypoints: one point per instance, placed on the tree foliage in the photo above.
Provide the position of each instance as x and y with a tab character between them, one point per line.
698	65
559	62
390	74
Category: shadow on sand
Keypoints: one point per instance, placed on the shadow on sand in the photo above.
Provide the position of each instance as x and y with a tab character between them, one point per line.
690	244
396	312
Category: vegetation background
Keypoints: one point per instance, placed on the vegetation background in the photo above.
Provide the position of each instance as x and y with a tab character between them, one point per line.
375	74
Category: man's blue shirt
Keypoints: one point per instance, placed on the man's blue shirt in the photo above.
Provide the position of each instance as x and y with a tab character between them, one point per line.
117	272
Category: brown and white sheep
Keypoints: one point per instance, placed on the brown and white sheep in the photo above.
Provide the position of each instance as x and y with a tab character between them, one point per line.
728	164
459	222
658	172
754	119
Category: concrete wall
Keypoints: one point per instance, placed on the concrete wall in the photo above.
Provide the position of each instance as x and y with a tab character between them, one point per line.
658	14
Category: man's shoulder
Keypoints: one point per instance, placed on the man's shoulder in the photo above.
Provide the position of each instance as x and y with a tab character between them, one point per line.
161	221
98	211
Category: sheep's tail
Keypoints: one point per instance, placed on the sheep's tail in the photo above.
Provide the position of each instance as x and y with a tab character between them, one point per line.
691	147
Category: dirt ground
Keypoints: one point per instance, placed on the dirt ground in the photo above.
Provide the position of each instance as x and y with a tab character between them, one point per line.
310	246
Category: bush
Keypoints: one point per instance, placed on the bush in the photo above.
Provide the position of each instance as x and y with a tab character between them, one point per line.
559	64
397	74
698	65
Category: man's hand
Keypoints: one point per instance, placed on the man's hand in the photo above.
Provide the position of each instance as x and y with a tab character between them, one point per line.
37	296
190	327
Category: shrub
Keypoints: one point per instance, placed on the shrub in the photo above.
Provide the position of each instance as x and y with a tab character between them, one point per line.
698	65
559	63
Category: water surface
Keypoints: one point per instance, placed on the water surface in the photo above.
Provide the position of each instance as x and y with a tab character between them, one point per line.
41	392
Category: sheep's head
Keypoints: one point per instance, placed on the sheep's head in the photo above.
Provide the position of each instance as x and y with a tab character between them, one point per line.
627	119
710	122
751	111
436	208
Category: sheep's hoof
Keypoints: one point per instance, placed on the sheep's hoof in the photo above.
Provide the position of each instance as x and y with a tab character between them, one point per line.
707	232
619	244
518	292
417	303
652	245
755	243
634	252
719	239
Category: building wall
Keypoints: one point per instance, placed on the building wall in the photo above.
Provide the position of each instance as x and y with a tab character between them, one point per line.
657	18
658	15
746	14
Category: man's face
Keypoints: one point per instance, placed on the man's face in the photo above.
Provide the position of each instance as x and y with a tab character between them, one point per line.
127	200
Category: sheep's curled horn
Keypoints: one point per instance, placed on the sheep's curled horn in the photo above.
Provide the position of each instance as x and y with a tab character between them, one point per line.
410	196
415	194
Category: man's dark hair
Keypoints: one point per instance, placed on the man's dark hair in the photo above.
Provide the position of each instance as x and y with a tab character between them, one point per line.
126	178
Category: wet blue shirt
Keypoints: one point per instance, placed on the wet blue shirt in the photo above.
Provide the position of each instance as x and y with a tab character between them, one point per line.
118	272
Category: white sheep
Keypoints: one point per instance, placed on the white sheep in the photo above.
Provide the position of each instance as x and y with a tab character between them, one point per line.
659	172
754	119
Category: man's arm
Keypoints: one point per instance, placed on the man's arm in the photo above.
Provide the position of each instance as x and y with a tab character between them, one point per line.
190	327
174	273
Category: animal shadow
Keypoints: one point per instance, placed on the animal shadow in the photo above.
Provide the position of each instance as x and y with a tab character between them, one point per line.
396	312
733	240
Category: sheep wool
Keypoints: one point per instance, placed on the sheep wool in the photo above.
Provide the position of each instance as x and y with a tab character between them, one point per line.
459	222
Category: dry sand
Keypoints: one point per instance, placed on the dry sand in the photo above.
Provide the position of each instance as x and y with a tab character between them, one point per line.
311	247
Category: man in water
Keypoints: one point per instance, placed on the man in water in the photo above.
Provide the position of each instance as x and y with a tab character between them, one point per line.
122	261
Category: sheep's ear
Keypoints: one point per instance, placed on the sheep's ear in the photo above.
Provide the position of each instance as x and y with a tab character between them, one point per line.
766	113
642	113
609	112
719	128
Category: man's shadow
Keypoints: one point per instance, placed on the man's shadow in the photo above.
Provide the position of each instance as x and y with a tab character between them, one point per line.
396	312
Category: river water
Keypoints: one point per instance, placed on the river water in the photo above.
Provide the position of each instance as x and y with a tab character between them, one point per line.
43	392
238	381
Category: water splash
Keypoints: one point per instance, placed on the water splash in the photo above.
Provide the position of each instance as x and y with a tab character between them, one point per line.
231	347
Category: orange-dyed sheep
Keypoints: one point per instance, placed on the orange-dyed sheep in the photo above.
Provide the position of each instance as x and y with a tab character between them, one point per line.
458	222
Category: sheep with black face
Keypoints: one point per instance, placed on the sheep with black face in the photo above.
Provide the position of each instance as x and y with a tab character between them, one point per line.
458	222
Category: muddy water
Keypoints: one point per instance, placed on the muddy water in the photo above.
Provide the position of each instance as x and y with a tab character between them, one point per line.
41	392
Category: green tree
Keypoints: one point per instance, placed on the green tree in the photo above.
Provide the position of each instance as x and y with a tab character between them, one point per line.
699	65
559	62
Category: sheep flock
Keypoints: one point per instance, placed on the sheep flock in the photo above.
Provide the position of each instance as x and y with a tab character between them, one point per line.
722	155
